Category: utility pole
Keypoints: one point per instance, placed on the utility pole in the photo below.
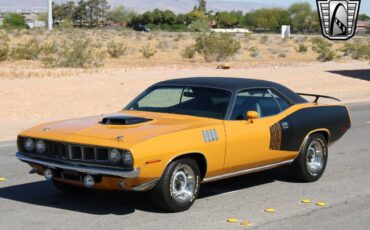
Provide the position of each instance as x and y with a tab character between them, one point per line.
50	15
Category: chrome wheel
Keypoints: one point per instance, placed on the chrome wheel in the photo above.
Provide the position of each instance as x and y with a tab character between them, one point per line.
315	157
182	183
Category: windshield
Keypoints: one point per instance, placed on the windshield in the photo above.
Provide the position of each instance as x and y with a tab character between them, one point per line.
194	101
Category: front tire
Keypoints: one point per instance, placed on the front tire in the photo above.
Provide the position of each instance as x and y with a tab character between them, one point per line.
178	187
311	161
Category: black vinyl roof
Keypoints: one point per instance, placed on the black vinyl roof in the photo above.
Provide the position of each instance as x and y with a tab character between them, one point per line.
234	85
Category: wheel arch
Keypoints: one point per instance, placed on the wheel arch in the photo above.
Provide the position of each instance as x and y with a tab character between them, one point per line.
322	131
198	157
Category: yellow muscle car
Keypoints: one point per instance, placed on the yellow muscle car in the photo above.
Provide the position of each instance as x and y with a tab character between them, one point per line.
180	133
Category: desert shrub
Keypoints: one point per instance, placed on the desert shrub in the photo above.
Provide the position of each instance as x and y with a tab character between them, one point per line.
116	49
216	46
199	25
72	52
189	52
323	49
27	51
358	49
148	51
179	37
14	20
282	54
4	46
264	39
254	52
302	48
66	23
247	37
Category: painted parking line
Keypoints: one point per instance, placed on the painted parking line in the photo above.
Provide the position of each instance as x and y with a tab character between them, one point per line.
232	220
321	204
270	210
2	179
246	223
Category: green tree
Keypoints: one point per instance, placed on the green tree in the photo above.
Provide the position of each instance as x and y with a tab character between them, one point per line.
301	15
169	17
96	12
80	13
63	11
268	19
363	17
120	15
202	6
147	18
14	20
199	25
157	16
226	19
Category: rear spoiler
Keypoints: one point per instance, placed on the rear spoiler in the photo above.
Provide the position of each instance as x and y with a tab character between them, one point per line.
317	97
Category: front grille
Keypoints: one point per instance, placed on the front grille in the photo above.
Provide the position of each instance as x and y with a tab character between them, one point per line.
72	152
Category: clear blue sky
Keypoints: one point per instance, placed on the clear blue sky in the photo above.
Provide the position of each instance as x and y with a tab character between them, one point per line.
365	4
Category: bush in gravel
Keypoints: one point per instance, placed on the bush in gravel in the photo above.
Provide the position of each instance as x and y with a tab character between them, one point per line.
148	51
116	49
4	46
217	46
302	48
323	49
72	52
358	49
189	52
179	37
27	51
254	52
282	54
264	39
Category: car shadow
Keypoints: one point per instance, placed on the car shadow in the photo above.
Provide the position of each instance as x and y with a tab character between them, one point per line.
362	74
43	193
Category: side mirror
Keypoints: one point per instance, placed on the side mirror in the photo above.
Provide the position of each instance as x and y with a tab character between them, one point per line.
251	115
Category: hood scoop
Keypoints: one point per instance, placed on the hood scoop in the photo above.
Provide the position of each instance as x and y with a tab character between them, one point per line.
123	120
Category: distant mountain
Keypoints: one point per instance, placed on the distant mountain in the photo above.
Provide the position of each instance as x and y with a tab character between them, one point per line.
178	6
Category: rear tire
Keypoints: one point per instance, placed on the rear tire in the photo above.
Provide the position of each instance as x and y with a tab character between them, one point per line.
311	161
178	187
69	189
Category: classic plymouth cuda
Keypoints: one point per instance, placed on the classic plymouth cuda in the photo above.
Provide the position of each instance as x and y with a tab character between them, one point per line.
180	133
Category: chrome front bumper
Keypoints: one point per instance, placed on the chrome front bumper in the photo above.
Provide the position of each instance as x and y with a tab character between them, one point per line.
93	170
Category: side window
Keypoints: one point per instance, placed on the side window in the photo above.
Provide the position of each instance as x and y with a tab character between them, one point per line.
283	102
259	100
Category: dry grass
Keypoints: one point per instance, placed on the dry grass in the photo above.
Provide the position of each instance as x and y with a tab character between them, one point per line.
256	50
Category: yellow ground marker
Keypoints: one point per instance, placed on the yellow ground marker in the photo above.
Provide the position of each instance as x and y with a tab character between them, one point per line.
2	179
246	224
321	204
306	201
232	220
270	210
368	122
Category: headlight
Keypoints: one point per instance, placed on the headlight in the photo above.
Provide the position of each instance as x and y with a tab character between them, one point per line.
29	145
115	156
127	158
40	147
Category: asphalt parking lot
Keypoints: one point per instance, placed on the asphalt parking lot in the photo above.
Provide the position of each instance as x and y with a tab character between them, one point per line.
29	202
